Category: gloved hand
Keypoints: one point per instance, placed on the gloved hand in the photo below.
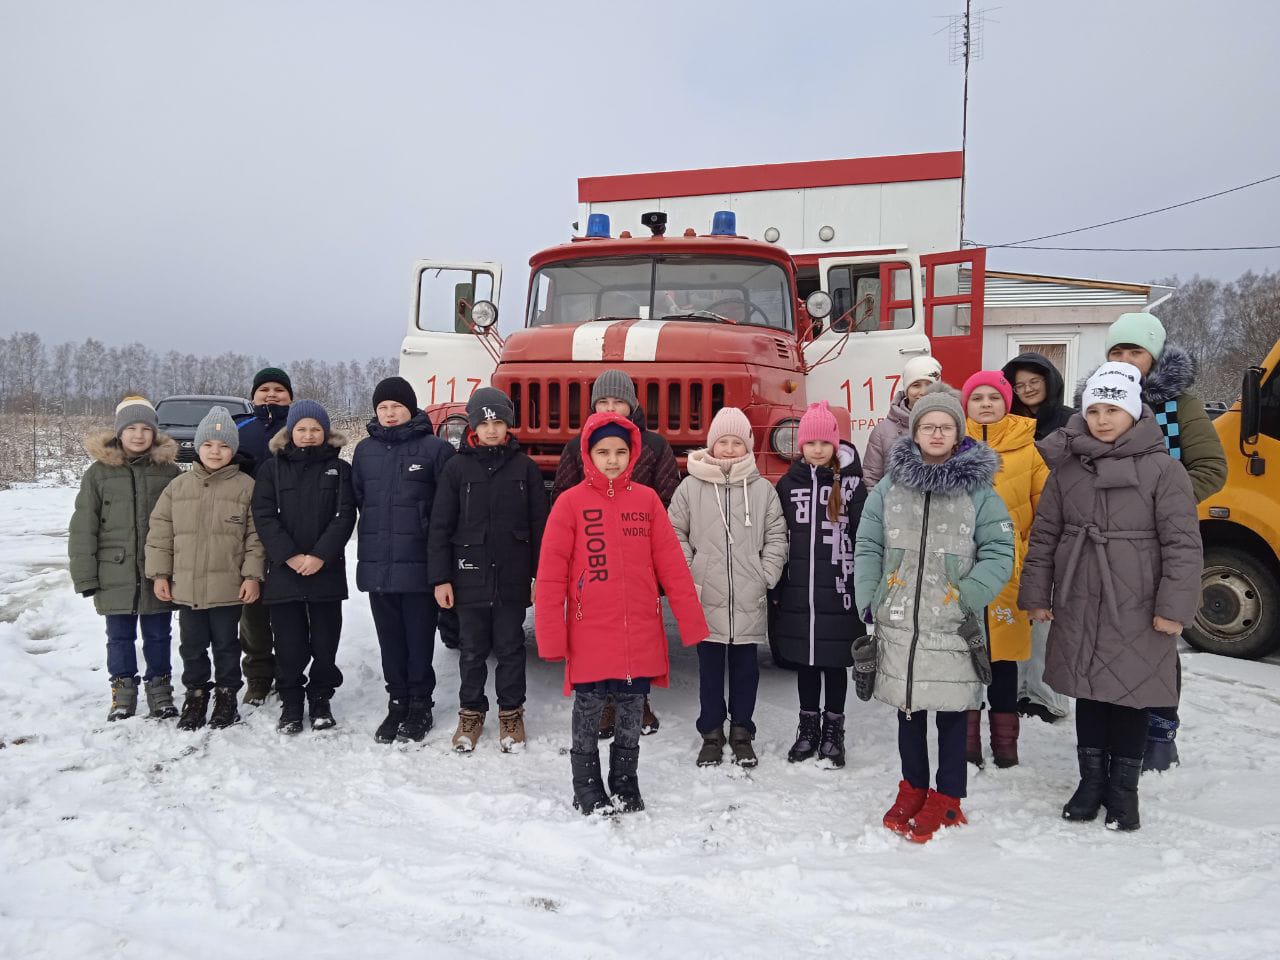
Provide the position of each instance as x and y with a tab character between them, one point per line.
972	633
864	666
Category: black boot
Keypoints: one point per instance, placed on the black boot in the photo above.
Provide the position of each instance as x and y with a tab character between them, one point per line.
1162	747
397	710
416	722
321	713
831	749
194	709
588	788
1084	803
290	712
622	778
224	708
1122	793
807	737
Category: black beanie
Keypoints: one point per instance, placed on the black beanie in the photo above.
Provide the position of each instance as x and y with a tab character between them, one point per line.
272	375
489	403
611	429
397	389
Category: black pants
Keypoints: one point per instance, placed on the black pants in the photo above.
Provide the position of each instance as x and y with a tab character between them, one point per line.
744	680
809	680
496	630
588	703
406	626
1002	691
1121	731
201	631
913	747
256	642
307	633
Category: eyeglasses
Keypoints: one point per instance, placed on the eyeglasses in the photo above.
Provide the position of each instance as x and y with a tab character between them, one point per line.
944	429
1026	386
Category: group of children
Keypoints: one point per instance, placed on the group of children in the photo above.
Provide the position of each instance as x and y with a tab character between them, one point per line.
923	571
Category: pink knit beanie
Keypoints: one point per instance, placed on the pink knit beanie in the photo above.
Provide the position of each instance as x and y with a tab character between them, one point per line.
818	423
730	422
988	378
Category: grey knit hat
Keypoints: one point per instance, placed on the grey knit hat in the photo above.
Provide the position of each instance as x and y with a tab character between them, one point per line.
940	396
489	403
218	425
614	383
133	410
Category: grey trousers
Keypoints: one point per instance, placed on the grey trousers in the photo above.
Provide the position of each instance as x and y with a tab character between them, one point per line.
1031	683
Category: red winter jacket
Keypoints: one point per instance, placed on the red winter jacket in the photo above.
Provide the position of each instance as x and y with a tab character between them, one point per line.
607	547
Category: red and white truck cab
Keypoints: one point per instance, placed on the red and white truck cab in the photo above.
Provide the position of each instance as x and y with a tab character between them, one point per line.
815	304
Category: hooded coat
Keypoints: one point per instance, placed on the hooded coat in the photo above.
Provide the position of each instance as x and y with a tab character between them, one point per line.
1053	413
303	503
1188	432
257	432
1019	483
656	466
395	473
935	544
108	534
486	525
607	548
817	619
892	427
734	537
1115	543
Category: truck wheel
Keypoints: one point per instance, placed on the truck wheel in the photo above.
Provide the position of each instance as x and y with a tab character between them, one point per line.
1240	608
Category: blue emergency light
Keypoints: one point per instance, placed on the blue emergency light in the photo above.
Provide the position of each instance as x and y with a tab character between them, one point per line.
724	223
598	226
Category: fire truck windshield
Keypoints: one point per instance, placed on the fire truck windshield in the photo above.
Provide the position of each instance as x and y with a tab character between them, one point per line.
752	292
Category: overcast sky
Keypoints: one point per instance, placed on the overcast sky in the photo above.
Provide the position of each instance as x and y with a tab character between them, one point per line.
260	176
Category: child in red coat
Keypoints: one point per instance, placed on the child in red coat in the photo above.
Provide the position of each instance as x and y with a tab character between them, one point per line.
608	547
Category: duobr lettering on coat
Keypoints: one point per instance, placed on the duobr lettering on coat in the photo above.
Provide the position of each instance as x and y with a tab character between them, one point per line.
598	570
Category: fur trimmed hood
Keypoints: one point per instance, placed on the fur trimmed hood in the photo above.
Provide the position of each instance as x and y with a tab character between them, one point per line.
105	448
337	440
1172	376
973	465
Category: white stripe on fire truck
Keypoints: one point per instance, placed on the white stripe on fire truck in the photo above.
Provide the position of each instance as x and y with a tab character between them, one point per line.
642	340
588	340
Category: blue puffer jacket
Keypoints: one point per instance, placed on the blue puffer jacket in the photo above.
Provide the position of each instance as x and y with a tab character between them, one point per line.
395	472
256	433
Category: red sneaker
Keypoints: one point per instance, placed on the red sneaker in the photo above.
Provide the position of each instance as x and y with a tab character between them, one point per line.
910	800
939	810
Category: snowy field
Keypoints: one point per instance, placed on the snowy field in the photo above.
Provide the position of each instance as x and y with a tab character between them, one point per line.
134	840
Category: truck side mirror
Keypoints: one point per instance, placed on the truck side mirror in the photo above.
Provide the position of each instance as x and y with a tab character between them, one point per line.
1251	419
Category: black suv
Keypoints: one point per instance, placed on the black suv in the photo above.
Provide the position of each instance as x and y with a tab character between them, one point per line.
179	416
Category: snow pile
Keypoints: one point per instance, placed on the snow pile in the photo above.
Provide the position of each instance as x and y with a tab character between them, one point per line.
132	839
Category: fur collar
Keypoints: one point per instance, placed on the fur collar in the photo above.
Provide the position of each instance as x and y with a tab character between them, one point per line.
105	448
974	465
1172	376
337	440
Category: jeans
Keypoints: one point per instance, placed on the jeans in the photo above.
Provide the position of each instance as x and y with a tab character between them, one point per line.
406	626
202	631
307	633
744	679
497	630
913	748
122	652
1031	675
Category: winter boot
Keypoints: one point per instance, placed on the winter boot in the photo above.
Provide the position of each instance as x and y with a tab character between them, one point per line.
256	691
910	801
622	779
470	726
397	710
649	722
1122	793
831	747
807	737
194	708
160	698
588	789
608	719
712	752
938	811
973	739
1004	738
1029	708
290	712
1162	748
321	713
124	698
740	741
511	730
1084	803
224	708
417	721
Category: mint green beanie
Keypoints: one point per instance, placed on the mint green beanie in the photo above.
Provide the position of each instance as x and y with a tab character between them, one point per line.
1140	329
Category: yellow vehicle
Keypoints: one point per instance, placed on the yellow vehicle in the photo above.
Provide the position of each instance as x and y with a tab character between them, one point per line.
1240	615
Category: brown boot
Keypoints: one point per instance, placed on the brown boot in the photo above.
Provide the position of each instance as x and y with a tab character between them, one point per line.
973	738
649	722
740	740
1004	738
470	726
608	717
511	730
712	752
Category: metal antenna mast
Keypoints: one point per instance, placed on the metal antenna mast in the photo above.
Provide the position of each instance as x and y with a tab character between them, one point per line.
965	33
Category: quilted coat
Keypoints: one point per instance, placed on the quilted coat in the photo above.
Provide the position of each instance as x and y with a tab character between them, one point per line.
935	544
895	425
734	537
607	548
1115	543
1021	479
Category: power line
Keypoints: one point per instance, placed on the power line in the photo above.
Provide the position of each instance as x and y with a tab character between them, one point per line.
1007	246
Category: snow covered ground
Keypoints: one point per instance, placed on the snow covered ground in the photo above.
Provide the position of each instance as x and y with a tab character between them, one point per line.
134	840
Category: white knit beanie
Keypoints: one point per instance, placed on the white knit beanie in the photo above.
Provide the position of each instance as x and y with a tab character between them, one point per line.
730	422
920	368
1119	384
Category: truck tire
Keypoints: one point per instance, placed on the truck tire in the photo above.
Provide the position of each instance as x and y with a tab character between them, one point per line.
1240	607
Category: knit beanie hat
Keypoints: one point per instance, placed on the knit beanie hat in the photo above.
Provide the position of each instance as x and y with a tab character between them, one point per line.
489	403
397	389
941	396
303	409
920	368
988	378
818	423
1140	329
135	409
218	425
614	383
1119	384
609	430
730	422
272	375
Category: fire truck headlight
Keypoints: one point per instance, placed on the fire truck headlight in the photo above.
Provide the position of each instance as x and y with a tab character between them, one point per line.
454	429
783	439
818	304
484	314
